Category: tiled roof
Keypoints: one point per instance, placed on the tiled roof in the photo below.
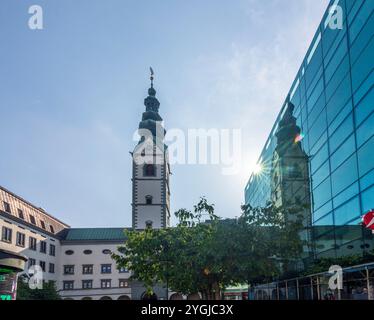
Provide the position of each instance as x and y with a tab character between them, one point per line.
88	234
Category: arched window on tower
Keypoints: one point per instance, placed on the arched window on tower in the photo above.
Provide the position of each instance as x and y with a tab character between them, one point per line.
148	199
149	170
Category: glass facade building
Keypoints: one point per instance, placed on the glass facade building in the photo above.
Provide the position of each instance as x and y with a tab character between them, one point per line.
321	148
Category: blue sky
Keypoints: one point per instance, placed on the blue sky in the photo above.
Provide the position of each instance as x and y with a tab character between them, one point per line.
72	93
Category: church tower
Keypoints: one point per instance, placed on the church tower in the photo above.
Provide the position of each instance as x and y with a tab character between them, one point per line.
290	180
151	169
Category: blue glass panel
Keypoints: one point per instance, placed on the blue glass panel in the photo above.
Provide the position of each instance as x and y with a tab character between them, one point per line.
319	158
365	107
343	152
367	198
315	112
347	212
345	129
337	77
356	5
322	210
340	116
331	40
365	86
321	174
346	195
360	20
337	58
318	89
321	141
362	40
365	157
317	78
339	99
313	65
345	175
322	193
325	221
363	66
317	129
367	180
365	131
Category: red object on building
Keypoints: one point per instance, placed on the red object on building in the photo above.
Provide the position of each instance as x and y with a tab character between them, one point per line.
368	219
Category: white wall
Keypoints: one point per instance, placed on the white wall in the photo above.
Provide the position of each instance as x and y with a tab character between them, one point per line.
78	259
37	255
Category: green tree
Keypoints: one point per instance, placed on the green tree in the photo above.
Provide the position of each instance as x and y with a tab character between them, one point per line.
48	292
204	253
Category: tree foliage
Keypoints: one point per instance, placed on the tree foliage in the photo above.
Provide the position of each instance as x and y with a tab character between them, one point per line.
48	292
204	253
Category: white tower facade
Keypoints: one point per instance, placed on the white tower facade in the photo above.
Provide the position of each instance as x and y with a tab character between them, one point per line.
151	170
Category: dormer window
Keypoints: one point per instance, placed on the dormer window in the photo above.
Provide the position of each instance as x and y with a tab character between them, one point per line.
42	224
149	170
32	219
7	207
148	199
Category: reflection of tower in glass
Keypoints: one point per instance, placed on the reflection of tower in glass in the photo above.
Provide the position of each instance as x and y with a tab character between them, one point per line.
290	181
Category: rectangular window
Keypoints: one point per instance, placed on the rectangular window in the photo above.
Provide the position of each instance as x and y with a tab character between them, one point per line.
52	229
43	247
32	243
68	285
52	250
123	283
106	268
7	207
20	214
106	283
122	270
20	241
42	265
87	269
6	235
68	269
32	219
32	262
87	284
51	268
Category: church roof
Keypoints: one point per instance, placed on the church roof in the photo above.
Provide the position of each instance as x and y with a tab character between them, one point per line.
95	234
